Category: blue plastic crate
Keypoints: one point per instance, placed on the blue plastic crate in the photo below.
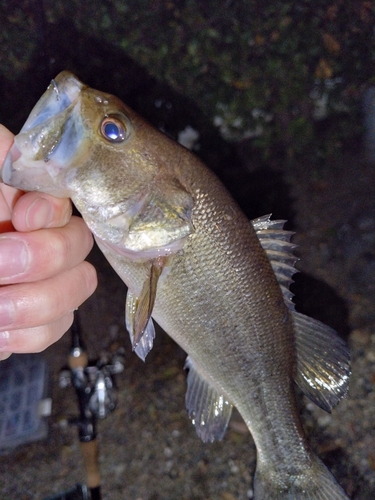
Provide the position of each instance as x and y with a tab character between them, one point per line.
23	400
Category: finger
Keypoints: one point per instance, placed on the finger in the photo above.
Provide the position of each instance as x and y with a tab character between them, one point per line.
6	140
8	199
38	255
39	210
8	195
27	305
38	338
5	213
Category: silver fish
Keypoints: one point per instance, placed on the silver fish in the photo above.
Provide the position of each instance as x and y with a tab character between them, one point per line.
218	284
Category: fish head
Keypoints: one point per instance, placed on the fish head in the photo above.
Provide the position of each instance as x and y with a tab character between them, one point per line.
88	145
40	151
67	134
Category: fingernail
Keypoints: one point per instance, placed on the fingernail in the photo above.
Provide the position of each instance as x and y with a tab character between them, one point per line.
39	214
4	339
14	257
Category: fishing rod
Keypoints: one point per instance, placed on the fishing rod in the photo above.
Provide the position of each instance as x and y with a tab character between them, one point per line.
96	397
85	387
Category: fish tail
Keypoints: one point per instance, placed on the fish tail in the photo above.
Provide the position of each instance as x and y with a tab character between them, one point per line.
312	483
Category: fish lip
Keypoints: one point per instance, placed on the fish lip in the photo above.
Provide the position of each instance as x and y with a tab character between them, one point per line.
60	94
35	156
52	121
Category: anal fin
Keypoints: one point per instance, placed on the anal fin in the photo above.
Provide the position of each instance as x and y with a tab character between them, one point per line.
323	362
209	410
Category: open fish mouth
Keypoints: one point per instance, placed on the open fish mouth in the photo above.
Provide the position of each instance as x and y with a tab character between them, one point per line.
60	94
49	137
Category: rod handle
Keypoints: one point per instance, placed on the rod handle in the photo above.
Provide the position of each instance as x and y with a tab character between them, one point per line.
90	454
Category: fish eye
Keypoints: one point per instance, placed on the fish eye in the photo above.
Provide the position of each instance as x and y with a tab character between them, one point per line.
113	129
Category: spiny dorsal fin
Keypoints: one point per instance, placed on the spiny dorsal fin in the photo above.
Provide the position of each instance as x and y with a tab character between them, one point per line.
209	410
276	243
323	367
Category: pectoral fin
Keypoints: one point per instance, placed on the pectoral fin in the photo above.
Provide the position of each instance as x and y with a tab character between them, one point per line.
209	410
139	309
323	366
146	342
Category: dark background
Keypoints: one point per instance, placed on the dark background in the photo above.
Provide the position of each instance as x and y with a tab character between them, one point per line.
173	62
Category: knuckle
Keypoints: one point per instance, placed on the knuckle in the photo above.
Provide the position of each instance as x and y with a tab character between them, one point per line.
38	338
50	300
71	289
87	277
68	245
62	210
65	212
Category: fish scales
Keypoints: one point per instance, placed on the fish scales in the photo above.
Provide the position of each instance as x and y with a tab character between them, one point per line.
192	261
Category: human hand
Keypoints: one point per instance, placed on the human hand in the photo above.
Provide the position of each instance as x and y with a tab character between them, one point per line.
43	275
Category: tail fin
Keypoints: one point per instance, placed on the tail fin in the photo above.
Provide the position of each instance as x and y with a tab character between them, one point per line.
313	483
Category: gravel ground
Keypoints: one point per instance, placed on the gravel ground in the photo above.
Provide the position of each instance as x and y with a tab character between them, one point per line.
148	448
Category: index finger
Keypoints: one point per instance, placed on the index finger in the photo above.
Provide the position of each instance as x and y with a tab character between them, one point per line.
6	140
8	195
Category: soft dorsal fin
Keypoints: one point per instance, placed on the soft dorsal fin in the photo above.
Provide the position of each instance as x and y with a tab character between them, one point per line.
323	362
209	410
276	243
323	366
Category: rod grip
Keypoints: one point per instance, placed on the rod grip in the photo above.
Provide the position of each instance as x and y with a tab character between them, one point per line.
90	454
80	361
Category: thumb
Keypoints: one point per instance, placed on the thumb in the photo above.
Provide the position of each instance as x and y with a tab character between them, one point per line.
39	210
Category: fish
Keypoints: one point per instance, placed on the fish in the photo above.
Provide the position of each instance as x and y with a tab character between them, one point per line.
216	282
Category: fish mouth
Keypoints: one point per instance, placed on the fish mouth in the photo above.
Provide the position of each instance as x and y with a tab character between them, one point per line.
60	94
49	137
